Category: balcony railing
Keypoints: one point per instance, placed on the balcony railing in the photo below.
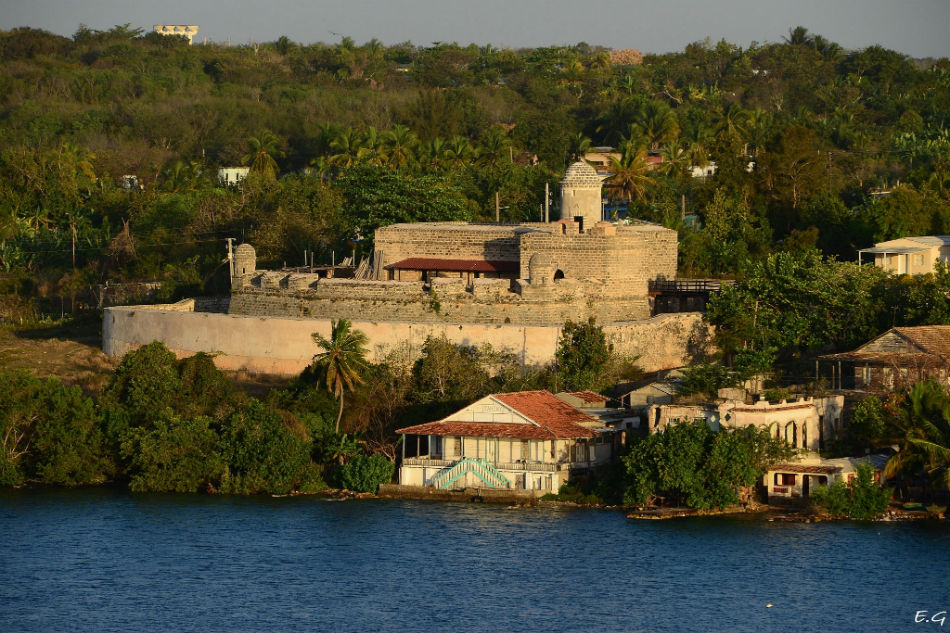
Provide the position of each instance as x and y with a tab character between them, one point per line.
688	285
533	467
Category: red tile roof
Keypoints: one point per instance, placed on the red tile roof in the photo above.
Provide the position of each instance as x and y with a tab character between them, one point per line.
482	429
553	418
457	265
588	396
801	468
934	339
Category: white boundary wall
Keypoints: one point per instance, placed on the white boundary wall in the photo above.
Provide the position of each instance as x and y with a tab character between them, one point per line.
284	346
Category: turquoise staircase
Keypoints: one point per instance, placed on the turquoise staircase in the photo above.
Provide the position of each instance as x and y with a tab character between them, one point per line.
479	467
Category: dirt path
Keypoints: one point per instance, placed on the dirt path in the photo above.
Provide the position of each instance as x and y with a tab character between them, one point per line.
72	353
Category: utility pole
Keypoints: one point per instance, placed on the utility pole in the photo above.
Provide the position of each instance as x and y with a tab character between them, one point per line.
547	203
497	209
230	240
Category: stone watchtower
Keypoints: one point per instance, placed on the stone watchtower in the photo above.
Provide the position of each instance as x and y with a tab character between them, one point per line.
245	261
580	195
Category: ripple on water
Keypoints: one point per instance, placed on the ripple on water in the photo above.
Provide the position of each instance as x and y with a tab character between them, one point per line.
101	559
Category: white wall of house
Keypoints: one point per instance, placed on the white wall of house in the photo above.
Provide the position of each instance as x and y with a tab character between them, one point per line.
232	175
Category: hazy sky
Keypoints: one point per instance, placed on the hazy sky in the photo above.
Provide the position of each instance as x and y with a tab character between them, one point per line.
920	28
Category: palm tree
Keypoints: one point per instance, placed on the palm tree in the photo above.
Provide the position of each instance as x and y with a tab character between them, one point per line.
578	146
922	427
656	122
347	147
262	149
342	359
432	153
372	150
798	36
493	147
400	142
459	151
630	179
758	129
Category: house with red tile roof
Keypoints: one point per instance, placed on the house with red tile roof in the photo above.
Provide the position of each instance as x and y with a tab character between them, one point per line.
526	441
901	356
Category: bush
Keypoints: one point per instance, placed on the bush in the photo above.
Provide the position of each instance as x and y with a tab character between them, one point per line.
573	493
262	455
863	498
364	473
174	455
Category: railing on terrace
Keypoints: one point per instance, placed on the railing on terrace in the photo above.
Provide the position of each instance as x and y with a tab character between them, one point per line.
688	285
522	466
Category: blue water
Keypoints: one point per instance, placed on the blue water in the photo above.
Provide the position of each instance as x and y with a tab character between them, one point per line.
104	559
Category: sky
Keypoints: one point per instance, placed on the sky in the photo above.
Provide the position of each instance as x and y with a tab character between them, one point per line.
918	28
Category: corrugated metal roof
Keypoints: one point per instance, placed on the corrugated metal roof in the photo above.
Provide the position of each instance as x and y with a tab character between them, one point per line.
897	250
932	240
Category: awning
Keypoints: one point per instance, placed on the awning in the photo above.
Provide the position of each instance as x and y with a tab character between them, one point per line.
897	250
456	265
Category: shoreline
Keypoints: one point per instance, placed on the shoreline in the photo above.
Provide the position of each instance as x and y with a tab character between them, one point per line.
514	500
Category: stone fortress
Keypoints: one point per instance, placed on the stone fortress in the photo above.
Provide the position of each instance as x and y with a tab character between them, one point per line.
456	272
511	285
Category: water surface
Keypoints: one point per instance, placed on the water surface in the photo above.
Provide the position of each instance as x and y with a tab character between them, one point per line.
105	559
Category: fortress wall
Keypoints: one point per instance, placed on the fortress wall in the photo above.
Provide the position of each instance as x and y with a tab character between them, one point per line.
284	346
397	243
449	302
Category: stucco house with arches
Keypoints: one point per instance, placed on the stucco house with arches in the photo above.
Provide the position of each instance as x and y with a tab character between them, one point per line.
805	423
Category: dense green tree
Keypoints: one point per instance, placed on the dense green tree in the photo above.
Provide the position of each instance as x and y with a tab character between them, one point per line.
173	454
583	357
375	197
447	374
50	433
792	304
145	383
261	454
689	463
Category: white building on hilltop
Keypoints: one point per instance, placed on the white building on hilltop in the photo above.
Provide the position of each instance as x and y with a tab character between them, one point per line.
185	30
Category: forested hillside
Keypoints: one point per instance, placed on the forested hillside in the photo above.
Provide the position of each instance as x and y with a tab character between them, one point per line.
815	147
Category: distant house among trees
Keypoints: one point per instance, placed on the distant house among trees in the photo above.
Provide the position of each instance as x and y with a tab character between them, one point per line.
232	175
900	357
910	255
185	30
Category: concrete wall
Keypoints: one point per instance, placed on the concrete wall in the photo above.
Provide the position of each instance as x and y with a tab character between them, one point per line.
276	345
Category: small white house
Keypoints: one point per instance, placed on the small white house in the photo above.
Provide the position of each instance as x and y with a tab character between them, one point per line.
796	481
909	255
232	175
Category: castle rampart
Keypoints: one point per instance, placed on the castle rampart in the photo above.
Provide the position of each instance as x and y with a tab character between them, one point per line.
284	346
